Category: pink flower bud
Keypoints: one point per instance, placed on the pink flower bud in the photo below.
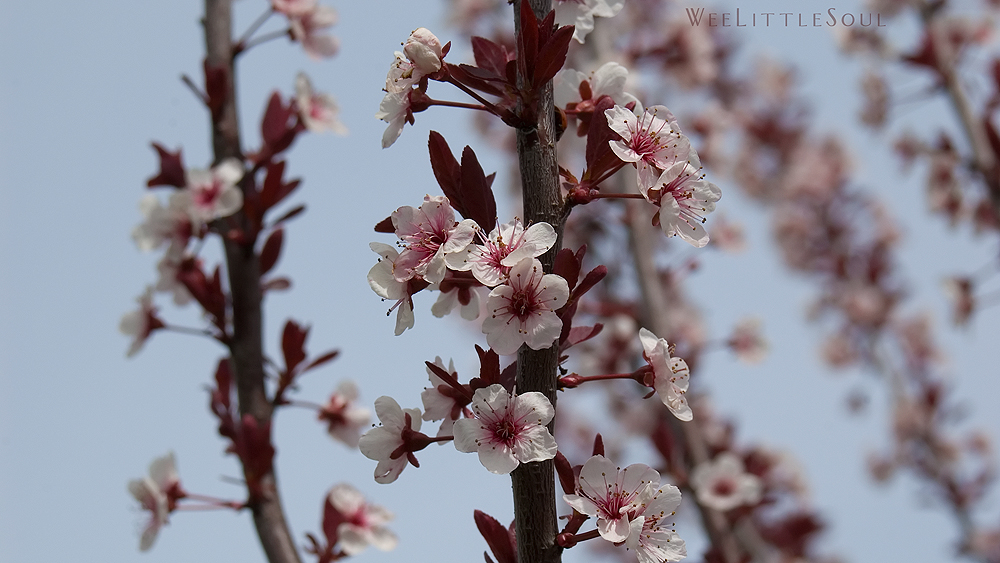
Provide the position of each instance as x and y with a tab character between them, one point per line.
424	50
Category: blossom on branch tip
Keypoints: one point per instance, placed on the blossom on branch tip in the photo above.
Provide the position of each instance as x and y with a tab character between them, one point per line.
429	234
570	87
684	197
307	28
385	284
158	494
394	110
651	536
345	419
318	111
358	524
293	8
652	142
211	194
722	484
523	311
423	49
163	224
507	430
613	495
386	444
670	374
502	249
139	324
581	14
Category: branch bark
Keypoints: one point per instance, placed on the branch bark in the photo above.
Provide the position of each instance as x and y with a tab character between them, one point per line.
243	267
534	483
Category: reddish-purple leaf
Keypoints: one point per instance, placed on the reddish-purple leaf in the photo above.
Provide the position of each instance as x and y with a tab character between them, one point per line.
580	334
496	535
325	358
171	169
598	445
527	42
293	340
275	122
477	196
599	134
386	226
489	56
508	376
590	280
553	55
567	266
564	469
447	170
298	209
216	88
271	251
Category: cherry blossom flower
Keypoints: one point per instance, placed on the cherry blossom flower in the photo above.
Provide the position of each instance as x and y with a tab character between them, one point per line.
423	49
211	194
168	267
139	324
581	14
453	295
307	28
441	401
317	110
722	484
385	284
345	419
670	374
507	430
613	495
523	312
394	110
650	535
293	8
684	196
748	342
358	523
571	86
502	249
157	493
429	235
652	141
384	443
169	223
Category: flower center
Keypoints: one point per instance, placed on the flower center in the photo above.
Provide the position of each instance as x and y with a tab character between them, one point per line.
724	487
505	431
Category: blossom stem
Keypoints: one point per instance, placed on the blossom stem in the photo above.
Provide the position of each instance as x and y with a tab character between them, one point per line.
450	104
203	507
241	43
191	331
304	404
486	103
202	97
607	174
595	533
617	196
262	39
217	502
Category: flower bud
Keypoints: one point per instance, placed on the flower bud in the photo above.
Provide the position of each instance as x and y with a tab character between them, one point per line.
424	50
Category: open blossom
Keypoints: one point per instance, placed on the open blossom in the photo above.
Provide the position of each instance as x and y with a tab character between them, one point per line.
613	495
168	267
385	284
169	223
722	483
358	523
684	198
424	50
463	295
139	324
317	110
748	342
345	419
507	430
441	401
652	141
651	536
523	311
578	93
502	249
157	494
211	194
670	374
429	235
307	28
383	442
581	14
293	7
394	110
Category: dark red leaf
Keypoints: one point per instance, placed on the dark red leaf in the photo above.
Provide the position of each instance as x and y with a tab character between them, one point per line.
275	123
599	135
447	171
598	445
527	42
216	88
322	360
171	169
565	472
489	56
489	366
298	209
553	55
293	340
580	334
477	196
386	226
590	280
271	251
567	267
508	376
496	535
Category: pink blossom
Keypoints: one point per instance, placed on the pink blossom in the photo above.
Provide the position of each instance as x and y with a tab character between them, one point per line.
307	28
293	8
608	80
394	110
523	312
318	111
157	494
748	342
139	324
507	430
168	267
169	224
652	141
358	523
440	401
505	246
722	484
670	374
385	284
423	49
651	536
452	295
581	14
613	495
684	197
211	194
384	442
429	235
345	419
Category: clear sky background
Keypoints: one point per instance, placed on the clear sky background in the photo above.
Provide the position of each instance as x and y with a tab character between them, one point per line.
84	88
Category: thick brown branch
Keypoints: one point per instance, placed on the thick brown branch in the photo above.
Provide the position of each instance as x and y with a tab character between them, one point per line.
242	265
534	483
